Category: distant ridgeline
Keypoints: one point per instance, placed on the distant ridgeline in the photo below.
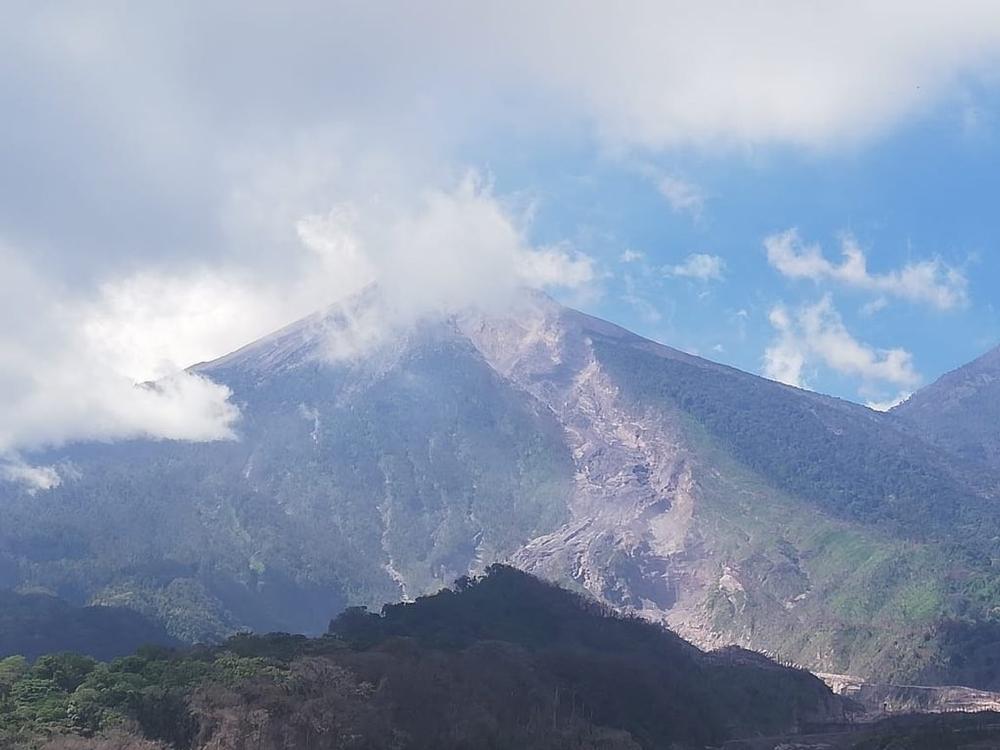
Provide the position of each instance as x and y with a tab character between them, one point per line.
500	661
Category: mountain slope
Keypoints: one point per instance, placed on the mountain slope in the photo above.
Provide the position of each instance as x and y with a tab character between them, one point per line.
740	510
961	411
352	482
733	508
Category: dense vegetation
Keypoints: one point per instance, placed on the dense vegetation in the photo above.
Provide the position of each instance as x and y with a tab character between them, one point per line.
848	461
346	481
884	545
72	694
503	661
844	541
961	411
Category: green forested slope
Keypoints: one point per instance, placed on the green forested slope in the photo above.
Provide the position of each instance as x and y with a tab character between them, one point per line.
815	529
503	661
344	482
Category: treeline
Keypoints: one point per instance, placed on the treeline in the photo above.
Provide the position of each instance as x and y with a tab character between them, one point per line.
500	661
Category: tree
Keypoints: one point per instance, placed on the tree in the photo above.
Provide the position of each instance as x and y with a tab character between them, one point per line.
12	669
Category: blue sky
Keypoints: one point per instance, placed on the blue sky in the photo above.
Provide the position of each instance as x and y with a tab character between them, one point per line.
181	179
924	192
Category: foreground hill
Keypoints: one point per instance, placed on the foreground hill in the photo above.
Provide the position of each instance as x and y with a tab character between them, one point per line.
735	509
501	661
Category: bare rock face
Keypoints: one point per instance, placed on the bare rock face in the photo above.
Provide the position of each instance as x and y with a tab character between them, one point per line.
629	538
878	699
672	518
638	536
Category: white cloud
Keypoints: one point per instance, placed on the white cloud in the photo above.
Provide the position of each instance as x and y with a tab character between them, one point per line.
360	99
785	358
631	256
698	266
816	335
635	299
447	249
148	325
14	469
453	248
648	74
874	307
930	282
555	267
58	388
683	196
889	404
69	359
165	212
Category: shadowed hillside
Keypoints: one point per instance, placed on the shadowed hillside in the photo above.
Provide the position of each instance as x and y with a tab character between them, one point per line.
961	411
36	624
500	661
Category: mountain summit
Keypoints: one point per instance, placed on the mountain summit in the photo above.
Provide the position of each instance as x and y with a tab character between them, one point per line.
379	461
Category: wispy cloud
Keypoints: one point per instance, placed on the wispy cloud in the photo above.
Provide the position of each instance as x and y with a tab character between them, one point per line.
874	307
681	195
35	478
699	266
816	335
930	282
634	298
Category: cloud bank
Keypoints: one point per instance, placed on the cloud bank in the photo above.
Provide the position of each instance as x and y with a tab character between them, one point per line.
142	126
181	178
70	370
58	389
